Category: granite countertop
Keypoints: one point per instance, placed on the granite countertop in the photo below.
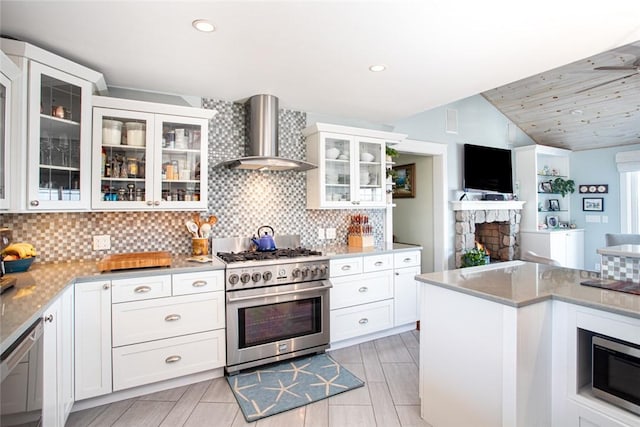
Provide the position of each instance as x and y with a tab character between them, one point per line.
520	283
630	251
37	288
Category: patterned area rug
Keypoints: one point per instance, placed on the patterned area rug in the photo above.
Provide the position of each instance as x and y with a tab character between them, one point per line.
276	388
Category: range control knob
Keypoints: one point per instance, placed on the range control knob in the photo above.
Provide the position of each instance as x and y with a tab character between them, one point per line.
315	270
323	270
233	279
245	277
295	272
256	277
266	276
305	272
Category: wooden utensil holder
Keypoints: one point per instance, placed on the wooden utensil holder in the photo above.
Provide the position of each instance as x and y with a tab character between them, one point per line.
360	241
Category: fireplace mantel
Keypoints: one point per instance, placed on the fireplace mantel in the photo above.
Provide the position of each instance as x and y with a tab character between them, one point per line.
477	205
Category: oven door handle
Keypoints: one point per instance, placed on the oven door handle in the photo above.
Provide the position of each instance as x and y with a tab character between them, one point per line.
13	356
295	291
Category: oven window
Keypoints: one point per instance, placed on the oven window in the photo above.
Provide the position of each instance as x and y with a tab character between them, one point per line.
274	322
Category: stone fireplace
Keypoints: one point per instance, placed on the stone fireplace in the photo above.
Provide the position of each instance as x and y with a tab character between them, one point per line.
495	224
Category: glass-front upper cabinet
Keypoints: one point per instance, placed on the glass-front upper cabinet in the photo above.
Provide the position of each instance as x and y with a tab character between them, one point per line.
351	169
8	73
59	135
143	160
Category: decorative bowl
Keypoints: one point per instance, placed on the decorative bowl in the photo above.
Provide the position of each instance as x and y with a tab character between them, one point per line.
366	157
19	265
333	153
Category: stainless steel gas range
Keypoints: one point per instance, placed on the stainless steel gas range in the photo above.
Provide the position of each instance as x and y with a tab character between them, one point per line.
277	303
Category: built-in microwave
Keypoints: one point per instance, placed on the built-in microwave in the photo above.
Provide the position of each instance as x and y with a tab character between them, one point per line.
615	372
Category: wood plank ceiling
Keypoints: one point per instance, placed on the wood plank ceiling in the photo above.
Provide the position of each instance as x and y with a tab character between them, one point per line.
576	106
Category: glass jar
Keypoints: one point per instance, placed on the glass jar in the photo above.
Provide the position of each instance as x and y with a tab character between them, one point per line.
139	195
132	167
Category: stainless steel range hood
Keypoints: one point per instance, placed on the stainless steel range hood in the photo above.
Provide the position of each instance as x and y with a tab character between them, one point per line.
262	139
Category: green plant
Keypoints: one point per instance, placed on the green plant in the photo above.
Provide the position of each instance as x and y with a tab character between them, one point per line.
563	186
474	257
392	173
391	152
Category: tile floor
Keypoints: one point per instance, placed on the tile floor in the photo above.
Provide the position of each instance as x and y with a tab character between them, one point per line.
389	367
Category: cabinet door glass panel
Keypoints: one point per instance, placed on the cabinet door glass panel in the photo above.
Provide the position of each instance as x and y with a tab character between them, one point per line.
369	169
180	166
123	169
60	121
3	136
337	169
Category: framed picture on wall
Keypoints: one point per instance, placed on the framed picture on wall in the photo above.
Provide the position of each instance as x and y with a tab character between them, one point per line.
593	204
405	180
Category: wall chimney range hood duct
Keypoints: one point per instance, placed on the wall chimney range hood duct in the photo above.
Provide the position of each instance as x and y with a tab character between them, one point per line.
262	139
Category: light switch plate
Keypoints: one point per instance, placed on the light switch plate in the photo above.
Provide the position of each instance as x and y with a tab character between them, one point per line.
331	233
592	218
321	233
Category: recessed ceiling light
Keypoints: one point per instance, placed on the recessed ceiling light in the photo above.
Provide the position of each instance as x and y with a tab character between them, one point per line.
576	112
377	68
203	25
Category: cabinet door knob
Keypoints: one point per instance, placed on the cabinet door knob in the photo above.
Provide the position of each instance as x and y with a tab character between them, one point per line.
48	318
172	317
105	286
199	283
34	203
397	274
149	203
173	359
142	289
156	203
363	321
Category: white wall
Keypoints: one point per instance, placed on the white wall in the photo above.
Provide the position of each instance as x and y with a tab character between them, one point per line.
413	218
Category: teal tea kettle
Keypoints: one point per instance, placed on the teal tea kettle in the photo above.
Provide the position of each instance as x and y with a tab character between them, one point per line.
265	242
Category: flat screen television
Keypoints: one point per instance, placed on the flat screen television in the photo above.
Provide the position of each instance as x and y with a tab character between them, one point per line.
487	169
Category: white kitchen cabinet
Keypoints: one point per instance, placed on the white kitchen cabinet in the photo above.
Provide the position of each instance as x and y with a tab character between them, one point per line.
149	156
52	125
564	246
351	166
93	339
361	296
405	287
57	381
9	72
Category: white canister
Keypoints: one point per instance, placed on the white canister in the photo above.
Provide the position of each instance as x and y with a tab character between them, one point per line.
135	134
111	132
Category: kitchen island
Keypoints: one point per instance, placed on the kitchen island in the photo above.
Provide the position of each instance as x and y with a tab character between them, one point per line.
621	262
501	346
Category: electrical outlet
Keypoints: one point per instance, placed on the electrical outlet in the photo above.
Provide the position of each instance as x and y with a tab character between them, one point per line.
321	233
101	242
331	233
605	219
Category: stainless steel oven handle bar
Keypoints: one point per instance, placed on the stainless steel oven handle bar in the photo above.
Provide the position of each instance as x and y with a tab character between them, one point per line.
296	291
20	350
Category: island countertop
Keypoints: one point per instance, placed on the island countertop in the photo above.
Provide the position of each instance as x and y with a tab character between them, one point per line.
519	283
629	251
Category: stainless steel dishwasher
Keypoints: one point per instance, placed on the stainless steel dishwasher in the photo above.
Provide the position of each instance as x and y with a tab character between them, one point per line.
21	374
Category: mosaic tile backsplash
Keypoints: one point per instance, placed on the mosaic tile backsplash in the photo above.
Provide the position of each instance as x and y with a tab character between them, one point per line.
242	200
620	268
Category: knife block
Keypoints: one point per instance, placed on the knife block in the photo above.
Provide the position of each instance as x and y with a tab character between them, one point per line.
360	241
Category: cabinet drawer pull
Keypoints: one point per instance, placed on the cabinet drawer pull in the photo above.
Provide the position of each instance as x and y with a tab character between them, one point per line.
346	267
378	263
363	321
406	260
172	317
172	359
142	289
363	289
149	203
199	283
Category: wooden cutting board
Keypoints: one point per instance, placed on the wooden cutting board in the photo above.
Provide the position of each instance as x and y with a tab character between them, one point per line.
134	260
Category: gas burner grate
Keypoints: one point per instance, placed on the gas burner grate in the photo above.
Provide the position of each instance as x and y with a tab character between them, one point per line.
231	257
